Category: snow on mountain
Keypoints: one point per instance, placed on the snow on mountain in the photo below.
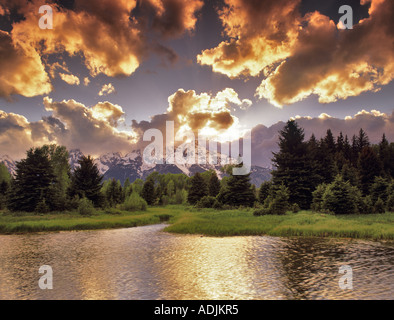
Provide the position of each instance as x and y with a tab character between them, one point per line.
9	163
74	156
119	167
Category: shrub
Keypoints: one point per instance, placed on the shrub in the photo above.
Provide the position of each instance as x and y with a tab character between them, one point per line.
227	207
379	189
262	212
340	197
295	208
276	204
164	217
42	207
113	211
264	191
390	203
181	196
379	206
3	202
317	202
206	202
164	200
366	205
134	202
85	207
217	205
279	203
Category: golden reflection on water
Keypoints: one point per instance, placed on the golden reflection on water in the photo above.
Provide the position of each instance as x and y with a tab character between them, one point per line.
216	268
145	263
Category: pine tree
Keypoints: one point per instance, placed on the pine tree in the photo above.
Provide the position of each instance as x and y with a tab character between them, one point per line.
315	161
340	142
264	191
339	197
5	182
369	167
148	191
329	142
198	189
171	188
214	185
113	193
379	189
239	191
349	173
292	165
362	140
5	175
347	150
58	156
86	181
384	155
34	177
127	189
280	202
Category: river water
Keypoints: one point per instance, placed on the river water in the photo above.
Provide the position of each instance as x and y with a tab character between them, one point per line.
146	263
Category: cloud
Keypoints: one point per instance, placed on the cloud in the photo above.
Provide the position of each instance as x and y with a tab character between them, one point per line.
261	33
21	69
173	17
86	81
90	129
70	79
93	130
56	66
112	38
111	113
117	51
211	115
3	11
18	135
298	56
106	90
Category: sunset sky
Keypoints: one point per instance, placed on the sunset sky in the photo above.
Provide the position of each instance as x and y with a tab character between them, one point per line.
108	70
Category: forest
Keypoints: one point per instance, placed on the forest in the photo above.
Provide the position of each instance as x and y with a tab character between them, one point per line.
335	175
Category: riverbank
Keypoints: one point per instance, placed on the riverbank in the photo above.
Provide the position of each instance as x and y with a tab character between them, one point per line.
209	222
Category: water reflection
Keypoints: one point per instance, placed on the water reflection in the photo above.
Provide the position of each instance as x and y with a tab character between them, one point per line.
145	263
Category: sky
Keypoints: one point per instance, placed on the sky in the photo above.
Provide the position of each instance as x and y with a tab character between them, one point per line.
109	71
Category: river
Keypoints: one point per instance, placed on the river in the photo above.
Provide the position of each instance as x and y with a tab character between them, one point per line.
146	263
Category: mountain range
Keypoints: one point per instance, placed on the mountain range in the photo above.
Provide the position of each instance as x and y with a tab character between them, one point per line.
120	167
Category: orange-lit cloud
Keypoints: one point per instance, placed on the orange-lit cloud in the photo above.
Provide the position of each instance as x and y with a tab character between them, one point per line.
108	35
261	34
174	17
206	113
70	79
111	113
116	51
21	70
298	56
106	89
2	11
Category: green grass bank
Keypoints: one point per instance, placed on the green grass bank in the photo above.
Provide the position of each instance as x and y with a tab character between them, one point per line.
210	222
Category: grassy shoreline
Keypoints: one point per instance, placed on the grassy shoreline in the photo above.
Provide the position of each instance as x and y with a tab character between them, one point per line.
209	222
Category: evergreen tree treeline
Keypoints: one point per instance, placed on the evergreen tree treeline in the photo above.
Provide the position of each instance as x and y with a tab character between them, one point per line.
333	174
359	168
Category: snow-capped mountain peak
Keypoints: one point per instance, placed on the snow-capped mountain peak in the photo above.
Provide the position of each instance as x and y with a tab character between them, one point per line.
116	166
